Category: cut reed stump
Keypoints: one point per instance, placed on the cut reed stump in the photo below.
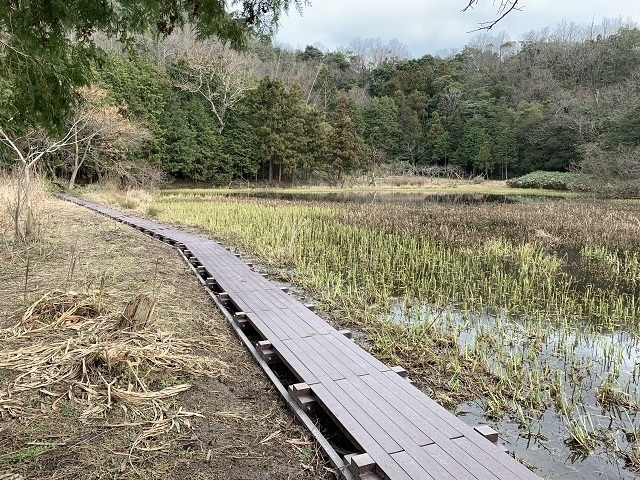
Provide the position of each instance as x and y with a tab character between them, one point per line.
138	312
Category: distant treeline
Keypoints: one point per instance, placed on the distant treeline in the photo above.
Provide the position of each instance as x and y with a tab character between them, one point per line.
200	111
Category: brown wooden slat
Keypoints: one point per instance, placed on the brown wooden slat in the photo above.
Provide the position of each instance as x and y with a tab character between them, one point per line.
272	321
427	420
304	324
352	428
325	346
411	467
500	464
267	331
446	421
355	350
382	413
315	362
294	363
455	466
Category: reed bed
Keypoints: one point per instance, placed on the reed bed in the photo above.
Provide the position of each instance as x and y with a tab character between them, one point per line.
529	308
340	253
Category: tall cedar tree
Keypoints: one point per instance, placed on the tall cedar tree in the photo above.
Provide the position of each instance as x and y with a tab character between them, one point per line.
346	148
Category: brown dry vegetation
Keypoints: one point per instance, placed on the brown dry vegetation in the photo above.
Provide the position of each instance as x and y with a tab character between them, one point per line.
176	398
568	224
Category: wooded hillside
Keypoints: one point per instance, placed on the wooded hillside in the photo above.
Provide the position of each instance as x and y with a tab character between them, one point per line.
563	99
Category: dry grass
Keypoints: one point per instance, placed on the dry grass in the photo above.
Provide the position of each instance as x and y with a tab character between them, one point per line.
89	392
566	224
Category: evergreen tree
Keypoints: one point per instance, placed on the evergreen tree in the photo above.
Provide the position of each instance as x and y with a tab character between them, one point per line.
346	148
47	47
438	147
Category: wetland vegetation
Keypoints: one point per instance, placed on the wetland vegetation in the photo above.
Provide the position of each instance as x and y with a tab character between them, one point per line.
524	315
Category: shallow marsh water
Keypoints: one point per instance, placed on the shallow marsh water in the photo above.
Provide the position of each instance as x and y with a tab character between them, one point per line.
577	360
402	198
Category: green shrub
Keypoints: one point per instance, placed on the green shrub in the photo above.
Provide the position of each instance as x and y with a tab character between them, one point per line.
550	181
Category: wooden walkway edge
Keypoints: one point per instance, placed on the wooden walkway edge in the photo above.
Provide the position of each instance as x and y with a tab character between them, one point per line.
396	432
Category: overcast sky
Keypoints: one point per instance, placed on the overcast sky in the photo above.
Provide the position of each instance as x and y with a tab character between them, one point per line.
431	26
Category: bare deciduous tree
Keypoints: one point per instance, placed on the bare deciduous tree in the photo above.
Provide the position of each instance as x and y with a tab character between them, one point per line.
505	7
101	136
211	68
28	151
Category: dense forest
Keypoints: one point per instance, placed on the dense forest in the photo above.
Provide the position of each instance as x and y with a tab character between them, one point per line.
564	99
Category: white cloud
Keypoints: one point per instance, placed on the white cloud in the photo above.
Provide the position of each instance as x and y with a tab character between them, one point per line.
428	26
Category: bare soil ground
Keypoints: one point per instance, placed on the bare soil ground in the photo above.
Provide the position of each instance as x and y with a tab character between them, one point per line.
117	414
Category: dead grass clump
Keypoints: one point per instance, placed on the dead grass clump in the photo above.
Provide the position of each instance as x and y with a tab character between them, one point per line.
68	349
613	399
21	204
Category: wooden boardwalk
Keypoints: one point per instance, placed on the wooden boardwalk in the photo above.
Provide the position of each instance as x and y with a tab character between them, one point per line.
396	431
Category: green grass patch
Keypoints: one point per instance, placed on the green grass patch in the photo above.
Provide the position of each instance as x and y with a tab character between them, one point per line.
19	456
564	181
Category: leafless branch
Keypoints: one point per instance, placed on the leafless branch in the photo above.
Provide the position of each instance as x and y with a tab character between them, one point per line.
504	9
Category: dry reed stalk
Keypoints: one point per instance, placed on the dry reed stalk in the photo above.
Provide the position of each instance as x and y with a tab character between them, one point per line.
66	348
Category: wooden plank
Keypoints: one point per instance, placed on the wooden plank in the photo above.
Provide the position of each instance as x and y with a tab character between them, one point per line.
411	420
427	421
498	462
411	467
271	293
354	349
434	426
317	362
294	362
308	361
255	303
293	329
239	301
326	348
271	320
325	393
261	296
454	465
384	414
266	331
445	420
313	321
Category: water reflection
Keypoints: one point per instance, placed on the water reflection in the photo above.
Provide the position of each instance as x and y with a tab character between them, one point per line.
580	362
401	198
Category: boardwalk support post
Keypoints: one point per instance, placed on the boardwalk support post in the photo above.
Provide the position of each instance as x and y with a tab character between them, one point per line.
301	393
241	320
487	432
402	373
346	333
267	352
224	299
362	466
